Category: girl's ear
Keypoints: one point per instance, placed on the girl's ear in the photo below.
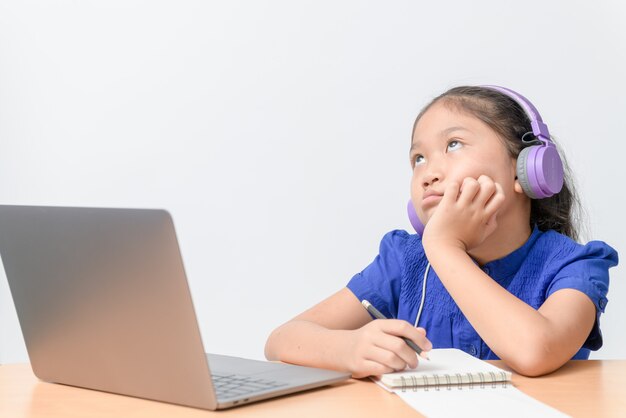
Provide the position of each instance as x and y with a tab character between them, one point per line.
518	187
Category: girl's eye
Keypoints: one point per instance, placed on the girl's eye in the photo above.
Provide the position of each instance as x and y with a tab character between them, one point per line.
454	144
418	160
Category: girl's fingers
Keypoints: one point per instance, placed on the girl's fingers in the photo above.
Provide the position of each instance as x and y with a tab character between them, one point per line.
487	190
418	336
397	346
401	328
451	193
372	368
469	190
386	357
495	203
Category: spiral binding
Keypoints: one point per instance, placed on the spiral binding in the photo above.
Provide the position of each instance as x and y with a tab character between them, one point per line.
413	384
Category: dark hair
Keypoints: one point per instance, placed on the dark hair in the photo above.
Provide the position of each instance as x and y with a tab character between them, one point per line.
561	212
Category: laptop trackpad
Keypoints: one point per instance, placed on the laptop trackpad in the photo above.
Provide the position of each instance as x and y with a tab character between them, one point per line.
220	364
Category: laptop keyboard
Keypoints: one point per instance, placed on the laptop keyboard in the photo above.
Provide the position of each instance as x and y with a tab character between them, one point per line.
232	385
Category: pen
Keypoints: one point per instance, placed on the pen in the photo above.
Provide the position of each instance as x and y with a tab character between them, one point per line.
376	314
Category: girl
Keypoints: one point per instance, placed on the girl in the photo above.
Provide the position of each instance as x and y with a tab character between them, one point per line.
497	271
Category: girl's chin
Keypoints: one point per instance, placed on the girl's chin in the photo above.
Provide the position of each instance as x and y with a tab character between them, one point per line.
429	210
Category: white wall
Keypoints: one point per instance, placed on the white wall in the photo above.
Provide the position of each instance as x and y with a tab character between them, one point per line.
277	132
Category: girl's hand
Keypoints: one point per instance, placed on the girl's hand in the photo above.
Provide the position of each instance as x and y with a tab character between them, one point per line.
466	214
377	348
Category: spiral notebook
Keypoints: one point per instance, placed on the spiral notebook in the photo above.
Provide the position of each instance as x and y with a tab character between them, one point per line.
447	367
453	383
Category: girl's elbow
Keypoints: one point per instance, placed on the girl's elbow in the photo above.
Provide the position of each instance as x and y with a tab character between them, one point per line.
533	368
270	346
537	362
269	354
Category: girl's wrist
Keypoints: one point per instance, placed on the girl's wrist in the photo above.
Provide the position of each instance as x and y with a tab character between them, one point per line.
441	252
432	247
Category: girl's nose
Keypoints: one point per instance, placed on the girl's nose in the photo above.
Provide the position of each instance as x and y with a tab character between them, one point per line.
430	182
430	178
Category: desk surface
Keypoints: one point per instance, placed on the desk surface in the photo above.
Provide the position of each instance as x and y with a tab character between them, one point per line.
580	388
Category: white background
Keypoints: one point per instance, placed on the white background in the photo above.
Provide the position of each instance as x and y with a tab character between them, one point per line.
277	133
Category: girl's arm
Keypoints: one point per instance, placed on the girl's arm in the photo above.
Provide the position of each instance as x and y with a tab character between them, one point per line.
339	334
532	342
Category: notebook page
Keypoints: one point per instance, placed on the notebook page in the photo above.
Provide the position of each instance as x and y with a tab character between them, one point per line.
444	361
489	402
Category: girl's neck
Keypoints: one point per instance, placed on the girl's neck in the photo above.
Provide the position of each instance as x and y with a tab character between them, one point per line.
512	232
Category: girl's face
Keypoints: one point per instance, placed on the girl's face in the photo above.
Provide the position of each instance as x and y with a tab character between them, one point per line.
449	145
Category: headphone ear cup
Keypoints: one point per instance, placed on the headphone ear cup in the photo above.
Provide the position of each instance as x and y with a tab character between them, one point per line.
415	220
549	167
522	172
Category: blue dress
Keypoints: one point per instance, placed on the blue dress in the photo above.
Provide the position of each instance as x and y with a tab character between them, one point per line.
547	262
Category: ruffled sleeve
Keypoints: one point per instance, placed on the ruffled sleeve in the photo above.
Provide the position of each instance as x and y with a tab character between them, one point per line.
587	270
379	282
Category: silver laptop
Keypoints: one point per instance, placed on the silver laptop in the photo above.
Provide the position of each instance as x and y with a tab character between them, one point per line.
103	303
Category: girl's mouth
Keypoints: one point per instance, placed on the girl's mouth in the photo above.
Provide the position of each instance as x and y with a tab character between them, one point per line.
431	200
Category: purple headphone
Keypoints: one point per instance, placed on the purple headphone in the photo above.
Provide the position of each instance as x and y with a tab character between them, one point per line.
539	167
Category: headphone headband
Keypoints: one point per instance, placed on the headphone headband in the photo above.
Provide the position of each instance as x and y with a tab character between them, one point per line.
540	129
